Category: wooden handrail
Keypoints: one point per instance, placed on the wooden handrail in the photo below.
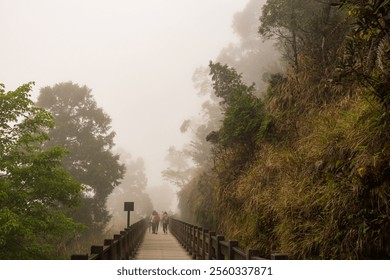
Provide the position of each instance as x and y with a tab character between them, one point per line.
203	244
200	243
123	246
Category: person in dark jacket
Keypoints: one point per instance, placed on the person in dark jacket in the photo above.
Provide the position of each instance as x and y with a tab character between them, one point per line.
165	221
154	219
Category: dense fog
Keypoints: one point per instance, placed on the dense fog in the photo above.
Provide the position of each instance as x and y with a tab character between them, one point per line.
138	59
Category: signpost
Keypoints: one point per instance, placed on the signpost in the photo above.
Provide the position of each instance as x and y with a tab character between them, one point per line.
129	206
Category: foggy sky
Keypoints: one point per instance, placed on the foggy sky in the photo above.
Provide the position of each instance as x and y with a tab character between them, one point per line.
137	56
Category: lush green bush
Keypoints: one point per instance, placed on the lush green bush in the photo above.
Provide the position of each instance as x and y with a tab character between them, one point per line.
35	191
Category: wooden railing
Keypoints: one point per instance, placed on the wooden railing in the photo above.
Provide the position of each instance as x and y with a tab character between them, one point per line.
123	246
203	244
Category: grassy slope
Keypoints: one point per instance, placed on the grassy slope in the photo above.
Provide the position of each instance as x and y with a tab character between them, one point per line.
320	185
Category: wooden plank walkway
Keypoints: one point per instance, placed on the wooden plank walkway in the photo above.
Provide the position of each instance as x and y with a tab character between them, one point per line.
161	247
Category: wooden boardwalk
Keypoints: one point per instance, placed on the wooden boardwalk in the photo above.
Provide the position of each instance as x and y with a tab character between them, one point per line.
161	247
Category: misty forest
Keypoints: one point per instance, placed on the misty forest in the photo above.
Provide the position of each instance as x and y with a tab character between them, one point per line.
290	152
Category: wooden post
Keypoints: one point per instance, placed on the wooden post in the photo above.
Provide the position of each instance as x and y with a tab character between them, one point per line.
279	256
210	249
218	254
232	244
79	257
252	253
204	234
96	249
194	241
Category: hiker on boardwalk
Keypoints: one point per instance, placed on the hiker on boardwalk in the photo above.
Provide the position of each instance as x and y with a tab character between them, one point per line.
155	220
165	222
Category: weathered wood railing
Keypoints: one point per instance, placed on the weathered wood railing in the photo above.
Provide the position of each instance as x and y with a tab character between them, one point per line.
122	247
203	244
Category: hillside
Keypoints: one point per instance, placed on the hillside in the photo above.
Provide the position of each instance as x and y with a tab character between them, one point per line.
305	169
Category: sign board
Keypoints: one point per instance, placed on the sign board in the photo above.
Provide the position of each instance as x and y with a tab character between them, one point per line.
129	206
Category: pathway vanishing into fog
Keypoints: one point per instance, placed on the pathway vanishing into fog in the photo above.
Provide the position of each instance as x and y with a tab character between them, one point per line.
161	247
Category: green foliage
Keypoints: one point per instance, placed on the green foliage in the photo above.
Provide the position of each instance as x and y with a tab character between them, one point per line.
309	33
366	55
227	83
35	191
197	199
242	122
244	114
322	190
84	130
306	170
196	196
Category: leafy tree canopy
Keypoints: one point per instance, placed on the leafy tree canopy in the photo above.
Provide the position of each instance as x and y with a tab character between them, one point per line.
85	130
35	191
244	113
309	32
366	54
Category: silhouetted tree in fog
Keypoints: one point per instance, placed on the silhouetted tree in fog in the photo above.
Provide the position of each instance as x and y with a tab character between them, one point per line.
308	32
179	171
84	129
132	188
251	55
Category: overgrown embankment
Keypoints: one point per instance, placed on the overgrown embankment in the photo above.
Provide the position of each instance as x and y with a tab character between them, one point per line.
320	184
305	170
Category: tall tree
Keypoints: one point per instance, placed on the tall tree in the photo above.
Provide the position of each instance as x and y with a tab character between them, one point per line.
251	55
196	196
243	112
280	19
308	31
179	170
35	191
84	129
245	121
